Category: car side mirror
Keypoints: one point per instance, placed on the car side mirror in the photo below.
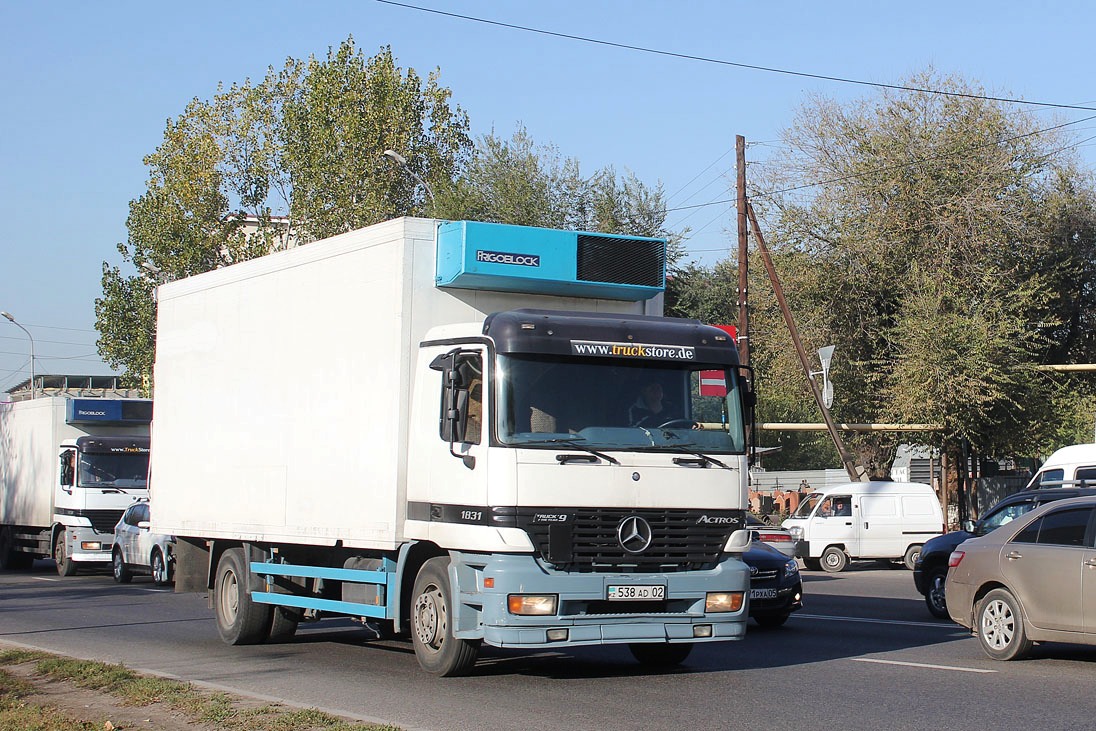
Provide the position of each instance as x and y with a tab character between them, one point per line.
968	526
740	541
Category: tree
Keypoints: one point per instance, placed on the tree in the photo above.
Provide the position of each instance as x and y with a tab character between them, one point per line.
308	139
923	256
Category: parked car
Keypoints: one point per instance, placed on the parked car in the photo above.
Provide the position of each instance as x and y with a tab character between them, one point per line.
775	586
931	568
1029	581
775	536
138	550
865	520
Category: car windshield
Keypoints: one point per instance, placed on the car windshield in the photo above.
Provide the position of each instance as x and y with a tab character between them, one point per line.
1007	514
594	403
807	505
114	470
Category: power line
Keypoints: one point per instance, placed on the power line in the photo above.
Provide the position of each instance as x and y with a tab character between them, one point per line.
736	64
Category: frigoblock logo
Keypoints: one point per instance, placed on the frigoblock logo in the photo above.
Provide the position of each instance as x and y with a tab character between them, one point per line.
502	257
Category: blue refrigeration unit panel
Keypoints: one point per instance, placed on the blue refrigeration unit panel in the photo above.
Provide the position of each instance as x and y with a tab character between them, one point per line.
494	256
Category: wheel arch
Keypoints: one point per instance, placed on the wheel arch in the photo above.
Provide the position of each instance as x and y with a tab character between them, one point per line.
411	558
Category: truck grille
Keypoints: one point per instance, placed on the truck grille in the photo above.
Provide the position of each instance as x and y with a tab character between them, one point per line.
681	540
103	521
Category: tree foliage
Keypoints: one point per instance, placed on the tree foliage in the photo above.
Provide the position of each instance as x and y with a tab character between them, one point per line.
941	258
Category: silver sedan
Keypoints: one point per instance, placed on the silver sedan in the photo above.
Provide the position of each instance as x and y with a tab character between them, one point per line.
1032	580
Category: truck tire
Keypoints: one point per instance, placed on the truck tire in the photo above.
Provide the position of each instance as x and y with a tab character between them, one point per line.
660	654
912	554
160	568
834	560
118	566
934	598
65	565
436	649
10	559
1000	625
240	621
283	625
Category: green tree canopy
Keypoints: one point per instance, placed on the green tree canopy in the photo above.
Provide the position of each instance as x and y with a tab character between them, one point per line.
939	251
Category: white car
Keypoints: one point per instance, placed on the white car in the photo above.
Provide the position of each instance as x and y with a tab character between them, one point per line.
138	550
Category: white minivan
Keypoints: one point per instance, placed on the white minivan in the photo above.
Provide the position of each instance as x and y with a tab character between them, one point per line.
876	520
1072	466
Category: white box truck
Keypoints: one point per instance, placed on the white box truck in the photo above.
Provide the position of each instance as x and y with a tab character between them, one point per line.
69	467
443	429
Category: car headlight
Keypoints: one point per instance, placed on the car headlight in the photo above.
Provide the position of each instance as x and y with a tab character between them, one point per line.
791	568
796	531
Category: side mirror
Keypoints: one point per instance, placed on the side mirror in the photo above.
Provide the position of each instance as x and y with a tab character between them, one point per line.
453	421
968	526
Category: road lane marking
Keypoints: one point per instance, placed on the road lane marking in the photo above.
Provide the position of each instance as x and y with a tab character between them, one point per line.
44	578
868	620
922	665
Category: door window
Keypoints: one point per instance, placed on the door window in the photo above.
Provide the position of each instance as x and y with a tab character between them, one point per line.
1066	527
1006	514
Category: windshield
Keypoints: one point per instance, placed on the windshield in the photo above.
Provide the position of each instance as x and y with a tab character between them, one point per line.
114	470
584	403
807	505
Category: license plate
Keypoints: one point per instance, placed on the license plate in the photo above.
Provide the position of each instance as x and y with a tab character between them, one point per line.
639	592
763	593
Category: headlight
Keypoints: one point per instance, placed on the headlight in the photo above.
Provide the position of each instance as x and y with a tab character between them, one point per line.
534	604
796	531
723	601
791	568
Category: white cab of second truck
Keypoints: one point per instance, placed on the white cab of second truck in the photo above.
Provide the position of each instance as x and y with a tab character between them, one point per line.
70	467
449	430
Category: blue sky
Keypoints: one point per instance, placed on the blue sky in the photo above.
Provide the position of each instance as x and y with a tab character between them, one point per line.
87	88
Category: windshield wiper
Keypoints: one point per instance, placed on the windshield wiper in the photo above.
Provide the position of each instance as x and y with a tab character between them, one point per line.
685	449
574	442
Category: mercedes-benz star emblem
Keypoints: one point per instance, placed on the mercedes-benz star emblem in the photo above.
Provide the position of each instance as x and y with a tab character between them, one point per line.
634	534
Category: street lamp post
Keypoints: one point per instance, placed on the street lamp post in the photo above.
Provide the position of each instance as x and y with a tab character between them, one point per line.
13	322
402	162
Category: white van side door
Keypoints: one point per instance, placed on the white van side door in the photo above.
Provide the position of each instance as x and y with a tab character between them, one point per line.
880	527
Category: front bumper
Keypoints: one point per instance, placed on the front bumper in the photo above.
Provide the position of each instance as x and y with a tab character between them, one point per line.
788	599
584	612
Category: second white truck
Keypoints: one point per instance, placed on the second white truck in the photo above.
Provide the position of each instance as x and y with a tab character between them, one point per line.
450	430
69	466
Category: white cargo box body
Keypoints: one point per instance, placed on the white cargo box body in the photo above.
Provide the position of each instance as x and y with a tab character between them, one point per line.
283	386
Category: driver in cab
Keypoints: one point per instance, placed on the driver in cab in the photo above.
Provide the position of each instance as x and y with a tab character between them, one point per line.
650	409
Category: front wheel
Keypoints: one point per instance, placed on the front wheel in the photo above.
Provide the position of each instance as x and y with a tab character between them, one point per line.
934	598
1001	626
65	565
834	560
436	649
240	621
660	655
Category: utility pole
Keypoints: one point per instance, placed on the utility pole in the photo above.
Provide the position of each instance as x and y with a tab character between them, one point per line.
743	255
856	472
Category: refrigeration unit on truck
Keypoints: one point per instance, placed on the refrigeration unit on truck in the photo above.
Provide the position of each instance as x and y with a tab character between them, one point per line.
430	427
70	467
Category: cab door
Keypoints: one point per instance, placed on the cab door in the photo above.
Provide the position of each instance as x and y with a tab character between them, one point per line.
833	523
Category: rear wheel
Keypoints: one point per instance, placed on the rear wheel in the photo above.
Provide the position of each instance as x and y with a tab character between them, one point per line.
65	565
121	574
912	554
834	560
1001	626
660	655
284	623
240	621
436	649
934	597
161	569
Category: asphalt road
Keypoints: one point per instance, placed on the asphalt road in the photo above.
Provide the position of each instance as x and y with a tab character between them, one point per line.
863	654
